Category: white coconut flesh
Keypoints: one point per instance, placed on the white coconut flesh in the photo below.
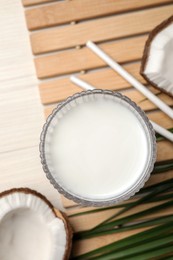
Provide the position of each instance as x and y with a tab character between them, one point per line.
159	65
29	230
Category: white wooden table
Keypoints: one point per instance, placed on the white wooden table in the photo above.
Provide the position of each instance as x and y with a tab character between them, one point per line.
21	113
21	109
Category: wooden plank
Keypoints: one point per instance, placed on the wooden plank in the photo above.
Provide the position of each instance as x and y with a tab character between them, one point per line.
26	113
155	178
59	89
35	2
84	59
141	100
161	118
164	151
21	114
89	221
83	246
68	11
99	30
68	204
22	168
134	95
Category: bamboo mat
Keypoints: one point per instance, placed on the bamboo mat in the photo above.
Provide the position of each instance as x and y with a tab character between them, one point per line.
58	32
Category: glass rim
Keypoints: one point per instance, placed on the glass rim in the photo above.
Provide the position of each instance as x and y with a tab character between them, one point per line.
114	200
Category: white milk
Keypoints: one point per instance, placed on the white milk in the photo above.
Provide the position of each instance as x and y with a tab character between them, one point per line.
98	149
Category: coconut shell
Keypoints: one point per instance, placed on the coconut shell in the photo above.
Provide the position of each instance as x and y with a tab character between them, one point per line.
146	52
69	232
56	212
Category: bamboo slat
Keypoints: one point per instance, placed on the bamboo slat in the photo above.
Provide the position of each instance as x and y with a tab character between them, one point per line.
57	90
67	11
144	103
84	59
35	2
164	151
160	118
84	246
138	98
89	221
99	30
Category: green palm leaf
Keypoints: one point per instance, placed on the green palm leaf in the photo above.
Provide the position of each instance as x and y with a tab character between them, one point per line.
132	241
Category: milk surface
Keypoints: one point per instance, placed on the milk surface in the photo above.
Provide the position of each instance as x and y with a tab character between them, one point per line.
98	148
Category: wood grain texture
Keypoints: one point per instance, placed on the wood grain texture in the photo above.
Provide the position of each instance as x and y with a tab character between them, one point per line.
84	246
20	111
57	90
164	150
123	37
84	59
144	103
138	98
22	168
155	178
21	114
68	11
35	2
161	118
89	221
101	29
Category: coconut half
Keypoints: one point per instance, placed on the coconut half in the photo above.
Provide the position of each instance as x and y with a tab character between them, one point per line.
30	229
157	60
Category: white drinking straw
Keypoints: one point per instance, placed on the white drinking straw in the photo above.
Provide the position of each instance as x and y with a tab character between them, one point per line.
81	83
134	82
162	131
159	129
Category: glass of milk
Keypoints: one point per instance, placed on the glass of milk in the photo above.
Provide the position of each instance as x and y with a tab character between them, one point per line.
98	148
